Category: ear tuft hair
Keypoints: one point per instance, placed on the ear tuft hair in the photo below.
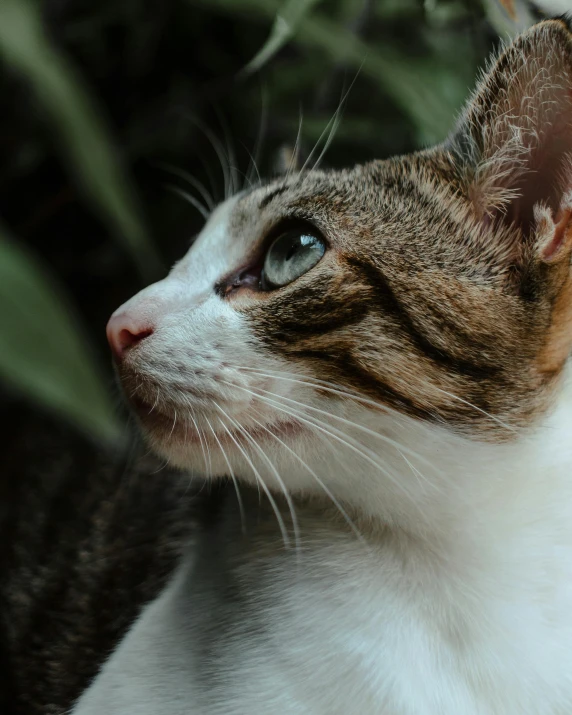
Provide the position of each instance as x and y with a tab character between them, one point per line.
513	145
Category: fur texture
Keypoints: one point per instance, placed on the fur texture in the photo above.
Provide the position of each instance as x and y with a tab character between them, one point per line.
88	538
404	409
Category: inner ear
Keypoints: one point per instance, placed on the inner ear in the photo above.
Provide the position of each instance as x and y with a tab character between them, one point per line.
514	142
545	180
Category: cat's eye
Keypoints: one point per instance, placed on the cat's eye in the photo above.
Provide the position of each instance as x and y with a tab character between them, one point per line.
291	255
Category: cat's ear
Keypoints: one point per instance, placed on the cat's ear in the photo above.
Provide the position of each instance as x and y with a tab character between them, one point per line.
513	145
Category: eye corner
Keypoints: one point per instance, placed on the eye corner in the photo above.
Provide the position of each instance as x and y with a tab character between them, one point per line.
264	277
264	285
245	279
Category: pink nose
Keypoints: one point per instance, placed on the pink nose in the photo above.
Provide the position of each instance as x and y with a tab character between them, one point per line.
123	331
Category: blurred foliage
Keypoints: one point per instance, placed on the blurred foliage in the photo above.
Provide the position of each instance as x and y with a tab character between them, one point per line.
106	104
37	337
82	138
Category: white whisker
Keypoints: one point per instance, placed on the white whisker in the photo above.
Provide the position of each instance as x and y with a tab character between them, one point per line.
258	479
232	476
330	128
478	409
202	445
255	156
174	423
253	163
350	423
193	181
241	173
323	384
156	402
336	389
328	493
278	478
189	199
230	154
333	432
160	469
421	478
219	151
297	144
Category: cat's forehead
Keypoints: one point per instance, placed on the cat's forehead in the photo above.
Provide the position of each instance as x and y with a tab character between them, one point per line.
382	208
397	194
237	227
405	213
323	192
313	195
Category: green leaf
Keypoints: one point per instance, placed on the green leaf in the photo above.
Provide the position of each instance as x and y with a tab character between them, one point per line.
84	140
428	92
422	92
285	24
42	349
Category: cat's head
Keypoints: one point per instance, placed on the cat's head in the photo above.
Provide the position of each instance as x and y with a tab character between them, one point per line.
318	317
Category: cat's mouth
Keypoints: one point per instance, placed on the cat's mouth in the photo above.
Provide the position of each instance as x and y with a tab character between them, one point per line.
179	427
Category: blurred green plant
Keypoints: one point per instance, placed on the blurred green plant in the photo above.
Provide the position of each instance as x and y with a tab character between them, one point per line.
43	349
428	91
78	123
417	59
287	20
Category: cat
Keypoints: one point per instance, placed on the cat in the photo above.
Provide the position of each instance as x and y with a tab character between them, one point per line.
375	363
89	537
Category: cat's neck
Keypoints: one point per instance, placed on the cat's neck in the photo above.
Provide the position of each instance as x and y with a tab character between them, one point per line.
472	587
465	492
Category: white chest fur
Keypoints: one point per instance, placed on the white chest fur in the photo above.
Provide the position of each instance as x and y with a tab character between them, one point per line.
463	609
398	629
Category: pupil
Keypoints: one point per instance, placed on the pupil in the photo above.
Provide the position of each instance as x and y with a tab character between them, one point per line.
293	250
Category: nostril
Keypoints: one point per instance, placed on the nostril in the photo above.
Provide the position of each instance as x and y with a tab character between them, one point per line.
123	335
126	338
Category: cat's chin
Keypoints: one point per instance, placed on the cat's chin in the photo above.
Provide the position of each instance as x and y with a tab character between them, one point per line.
186	445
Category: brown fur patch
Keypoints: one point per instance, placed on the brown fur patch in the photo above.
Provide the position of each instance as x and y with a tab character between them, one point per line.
559	336
432	297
